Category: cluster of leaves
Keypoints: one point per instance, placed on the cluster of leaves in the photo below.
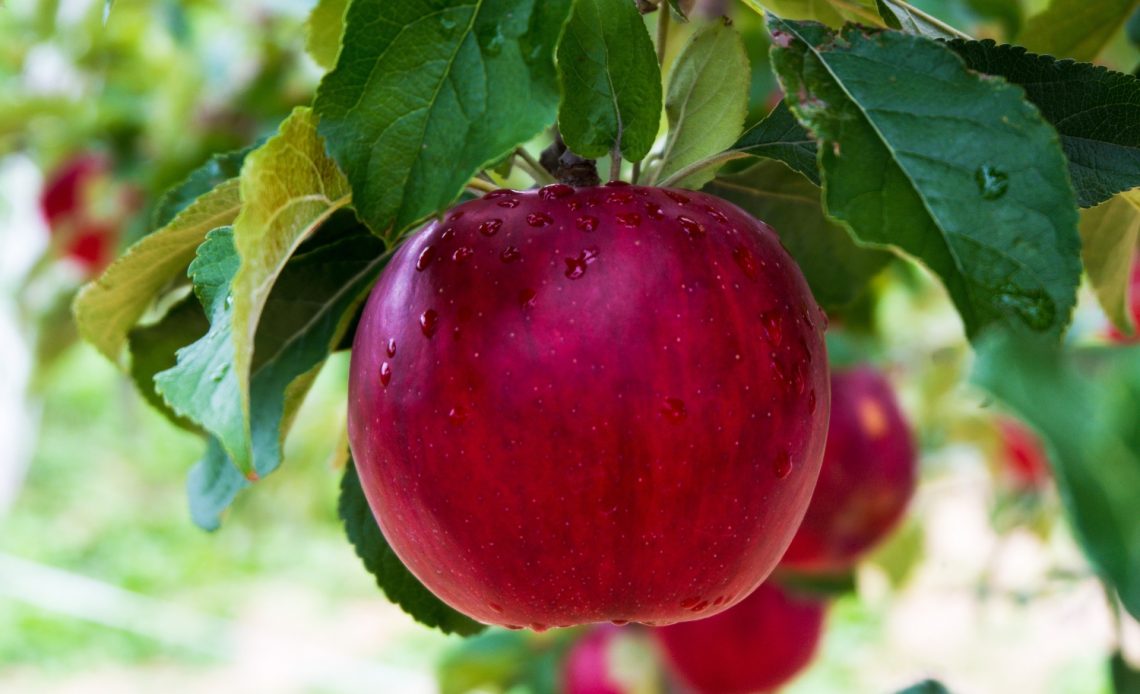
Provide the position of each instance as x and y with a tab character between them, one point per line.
998	168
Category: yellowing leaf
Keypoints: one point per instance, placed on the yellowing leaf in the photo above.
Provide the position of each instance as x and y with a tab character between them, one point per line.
107	308
1109	233
288	187
707	101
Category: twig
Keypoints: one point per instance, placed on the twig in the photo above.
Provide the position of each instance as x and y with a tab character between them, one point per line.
533	168
636	174
715	160
481	185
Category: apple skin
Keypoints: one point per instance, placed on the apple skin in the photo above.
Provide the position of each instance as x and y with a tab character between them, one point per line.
578	405
1024	463
867	479
90	242
756	646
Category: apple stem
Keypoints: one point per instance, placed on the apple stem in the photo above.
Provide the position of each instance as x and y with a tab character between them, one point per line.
615	161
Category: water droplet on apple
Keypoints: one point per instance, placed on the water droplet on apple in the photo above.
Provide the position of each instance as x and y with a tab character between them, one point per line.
770	322
448	234
385	374
509	203
462	253
495	606
500	193
457	414
426	256
745	260
716	214
689	602
629	219
490	227
676	197
576	267
617	183
586	223
510	254
691	226
539	219
391	347
621	197
654	211
674	409
526	298
555	191
619	622
429	322
782	466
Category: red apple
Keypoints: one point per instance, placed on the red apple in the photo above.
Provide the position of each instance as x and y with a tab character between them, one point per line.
577	405
86	227
867	478
1133	306
610	660
756	646
1024	464
587	668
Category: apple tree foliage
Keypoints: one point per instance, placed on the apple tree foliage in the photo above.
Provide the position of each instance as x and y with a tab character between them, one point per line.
1008	168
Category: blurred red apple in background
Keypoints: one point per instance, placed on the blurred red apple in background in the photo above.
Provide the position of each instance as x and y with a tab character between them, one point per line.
610	660
756	646
85	210
1024	464
867	478
579	405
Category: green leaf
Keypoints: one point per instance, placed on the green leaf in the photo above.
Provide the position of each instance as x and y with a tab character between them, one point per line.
905	17
325	27
107	308
919	153
308	312
1110	233
925	687
154	349
837	269
833	13
313	301
202	386
212	485
289	186
217	170
1125	677
493	660
427	92
1095	456
610	80
817	585
780	136
1078	29
1132	28
707	101
1095	111
392	576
